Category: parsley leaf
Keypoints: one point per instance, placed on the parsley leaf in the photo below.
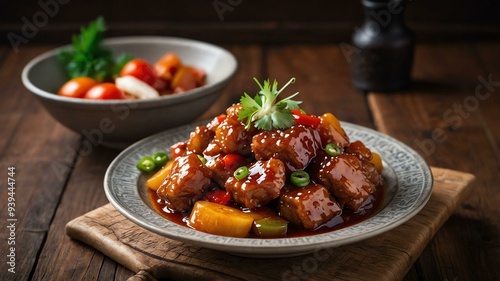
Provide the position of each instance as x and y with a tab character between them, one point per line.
265	111
88	57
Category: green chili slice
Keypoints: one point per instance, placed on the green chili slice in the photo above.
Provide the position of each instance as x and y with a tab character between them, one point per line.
270	227
299	178
202	159
333	149
146	164
241	173
160	158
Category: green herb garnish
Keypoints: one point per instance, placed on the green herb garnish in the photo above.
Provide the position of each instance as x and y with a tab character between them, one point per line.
88	58
265	111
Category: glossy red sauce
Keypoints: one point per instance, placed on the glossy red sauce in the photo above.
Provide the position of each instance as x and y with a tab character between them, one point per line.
347	218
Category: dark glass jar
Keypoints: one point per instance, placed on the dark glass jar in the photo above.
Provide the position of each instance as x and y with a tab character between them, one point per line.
383	48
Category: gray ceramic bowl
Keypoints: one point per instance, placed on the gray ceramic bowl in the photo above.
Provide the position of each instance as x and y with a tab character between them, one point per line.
118	123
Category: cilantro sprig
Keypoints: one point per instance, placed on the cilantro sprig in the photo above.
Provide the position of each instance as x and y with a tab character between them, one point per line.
264	111
88	57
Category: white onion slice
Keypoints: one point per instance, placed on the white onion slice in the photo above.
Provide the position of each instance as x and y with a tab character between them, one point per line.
136	87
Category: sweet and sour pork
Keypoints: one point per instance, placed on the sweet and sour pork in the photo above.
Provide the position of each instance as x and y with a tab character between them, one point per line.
341	181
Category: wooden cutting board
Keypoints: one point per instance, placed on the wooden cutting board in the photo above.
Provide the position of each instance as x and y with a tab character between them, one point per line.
388	256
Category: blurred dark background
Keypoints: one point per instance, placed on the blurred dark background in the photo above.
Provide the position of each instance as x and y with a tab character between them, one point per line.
242	21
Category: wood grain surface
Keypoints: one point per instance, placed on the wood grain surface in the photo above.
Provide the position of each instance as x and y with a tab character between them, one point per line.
445	77
385	257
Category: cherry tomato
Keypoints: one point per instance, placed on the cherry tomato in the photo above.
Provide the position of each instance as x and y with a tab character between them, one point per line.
76	87
168	65
105	91
142	70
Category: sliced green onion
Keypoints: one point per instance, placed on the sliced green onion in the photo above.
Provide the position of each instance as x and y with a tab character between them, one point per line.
146	164
202	159
160	158
241	173
299	178
333	149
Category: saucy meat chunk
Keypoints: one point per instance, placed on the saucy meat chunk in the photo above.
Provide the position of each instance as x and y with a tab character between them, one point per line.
212	149
309	206
365	155
346	178
178	149
232	111
359	149
232	137
212	125
186	183
295	146
199	139
219	172
263	183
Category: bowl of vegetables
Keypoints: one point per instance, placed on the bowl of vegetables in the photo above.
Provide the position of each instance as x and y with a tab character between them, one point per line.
119	90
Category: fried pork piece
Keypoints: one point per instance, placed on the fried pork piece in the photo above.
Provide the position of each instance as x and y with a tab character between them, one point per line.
217	166
295	146
232	137
347	179
263	183
308	206
232	111
359	149
213	149
186	183
178	149
212	125
199	139
365	155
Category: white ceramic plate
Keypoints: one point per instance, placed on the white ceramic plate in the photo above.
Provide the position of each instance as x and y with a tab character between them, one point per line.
407	176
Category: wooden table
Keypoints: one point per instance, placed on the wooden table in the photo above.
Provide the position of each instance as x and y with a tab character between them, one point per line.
450	116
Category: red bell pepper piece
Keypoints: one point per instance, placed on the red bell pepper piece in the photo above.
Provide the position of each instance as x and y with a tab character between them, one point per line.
305	119
233	161
218	196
